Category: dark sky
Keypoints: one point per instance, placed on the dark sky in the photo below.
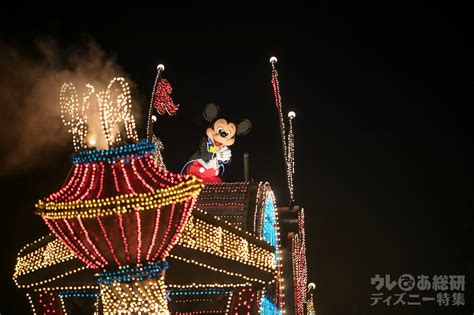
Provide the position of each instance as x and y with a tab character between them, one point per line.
382	126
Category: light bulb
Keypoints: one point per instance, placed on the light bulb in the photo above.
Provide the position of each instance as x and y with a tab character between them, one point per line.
92	142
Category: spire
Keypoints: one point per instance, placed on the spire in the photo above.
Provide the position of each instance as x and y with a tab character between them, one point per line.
287	140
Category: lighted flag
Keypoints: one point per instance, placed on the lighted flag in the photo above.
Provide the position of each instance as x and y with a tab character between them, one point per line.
276	88
162	99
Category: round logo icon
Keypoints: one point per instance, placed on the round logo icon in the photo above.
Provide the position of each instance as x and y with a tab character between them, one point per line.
406	282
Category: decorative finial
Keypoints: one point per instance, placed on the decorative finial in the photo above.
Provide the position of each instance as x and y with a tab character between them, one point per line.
115	108
160	67
273	59
291	114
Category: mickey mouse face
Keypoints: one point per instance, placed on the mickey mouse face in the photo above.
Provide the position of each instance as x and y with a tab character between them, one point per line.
222	133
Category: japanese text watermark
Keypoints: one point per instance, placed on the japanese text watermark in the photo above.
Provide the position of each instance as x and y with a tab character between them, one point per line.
407	290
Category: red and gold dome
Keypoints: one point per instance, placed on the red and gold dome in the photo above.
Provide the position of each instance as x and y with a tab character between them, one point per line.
119	207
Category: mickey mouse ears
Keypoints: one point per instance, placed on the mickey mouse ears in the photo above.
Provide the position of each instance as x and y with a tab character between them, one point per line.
244	127
210	112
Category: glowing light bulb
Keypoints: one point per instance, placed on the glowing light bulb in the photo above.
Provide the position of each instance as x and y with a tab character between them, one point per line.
92	142
160	67
153	118
291	114
273	59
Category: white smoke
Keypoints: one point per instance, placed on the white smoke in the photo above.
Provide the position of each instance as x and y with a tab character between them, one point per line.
30	123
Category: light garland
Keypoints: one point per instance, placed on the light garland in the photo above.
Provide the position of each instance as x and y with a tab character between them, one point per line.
124	237
91	258
279	106
116	110
45	302
290	160
204	291
230	273
270	231
30	301
54	252
227	201
107	240
236	229
205	237
193	301
115	154
243	301
136	273
287	142
43	282
231	203
101	260
229	302
310	310
193	289
267	307
198	312
51	300
300	276
149	127
121	203
87	293
167	231
179	229
208	285
144	296
71	185
157	154
155	231
73	114
68	288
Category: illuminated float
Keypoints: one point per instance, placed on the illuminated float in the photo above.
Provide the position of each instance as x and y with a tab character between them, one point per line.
130	237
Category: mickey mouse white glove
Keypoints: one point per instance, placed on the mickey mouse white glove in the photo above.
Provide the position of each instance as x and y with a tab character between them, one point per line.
224	154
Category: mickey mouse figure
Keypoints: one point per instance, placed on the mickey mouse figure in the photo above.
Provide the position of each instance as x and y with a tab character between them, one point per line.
207	163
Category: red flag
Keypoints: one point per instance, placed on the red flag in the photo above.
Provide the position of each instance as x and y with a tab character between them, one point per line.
162	99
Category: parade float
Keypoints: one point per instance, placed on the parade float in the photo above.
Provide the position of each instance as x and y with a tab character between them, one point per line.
129	236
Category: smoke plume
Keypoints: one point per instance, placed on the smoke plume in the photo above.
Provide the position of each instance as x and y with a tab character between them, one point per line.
30	121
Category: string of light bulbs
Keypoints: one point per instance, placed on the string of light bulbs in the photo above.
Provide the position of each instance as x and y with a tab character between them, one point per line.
287	140
115	108
160	68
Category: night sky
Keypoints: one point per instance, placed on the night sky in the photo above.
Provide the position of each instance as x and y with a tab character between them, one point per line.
382	127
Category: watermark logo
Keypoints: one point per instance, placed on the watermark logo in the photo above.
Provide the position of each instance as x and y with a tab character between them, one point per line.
407	289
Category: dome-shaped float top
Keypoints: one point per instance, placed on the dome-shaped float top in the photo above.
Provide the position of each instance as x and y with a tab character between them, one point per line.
119	206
